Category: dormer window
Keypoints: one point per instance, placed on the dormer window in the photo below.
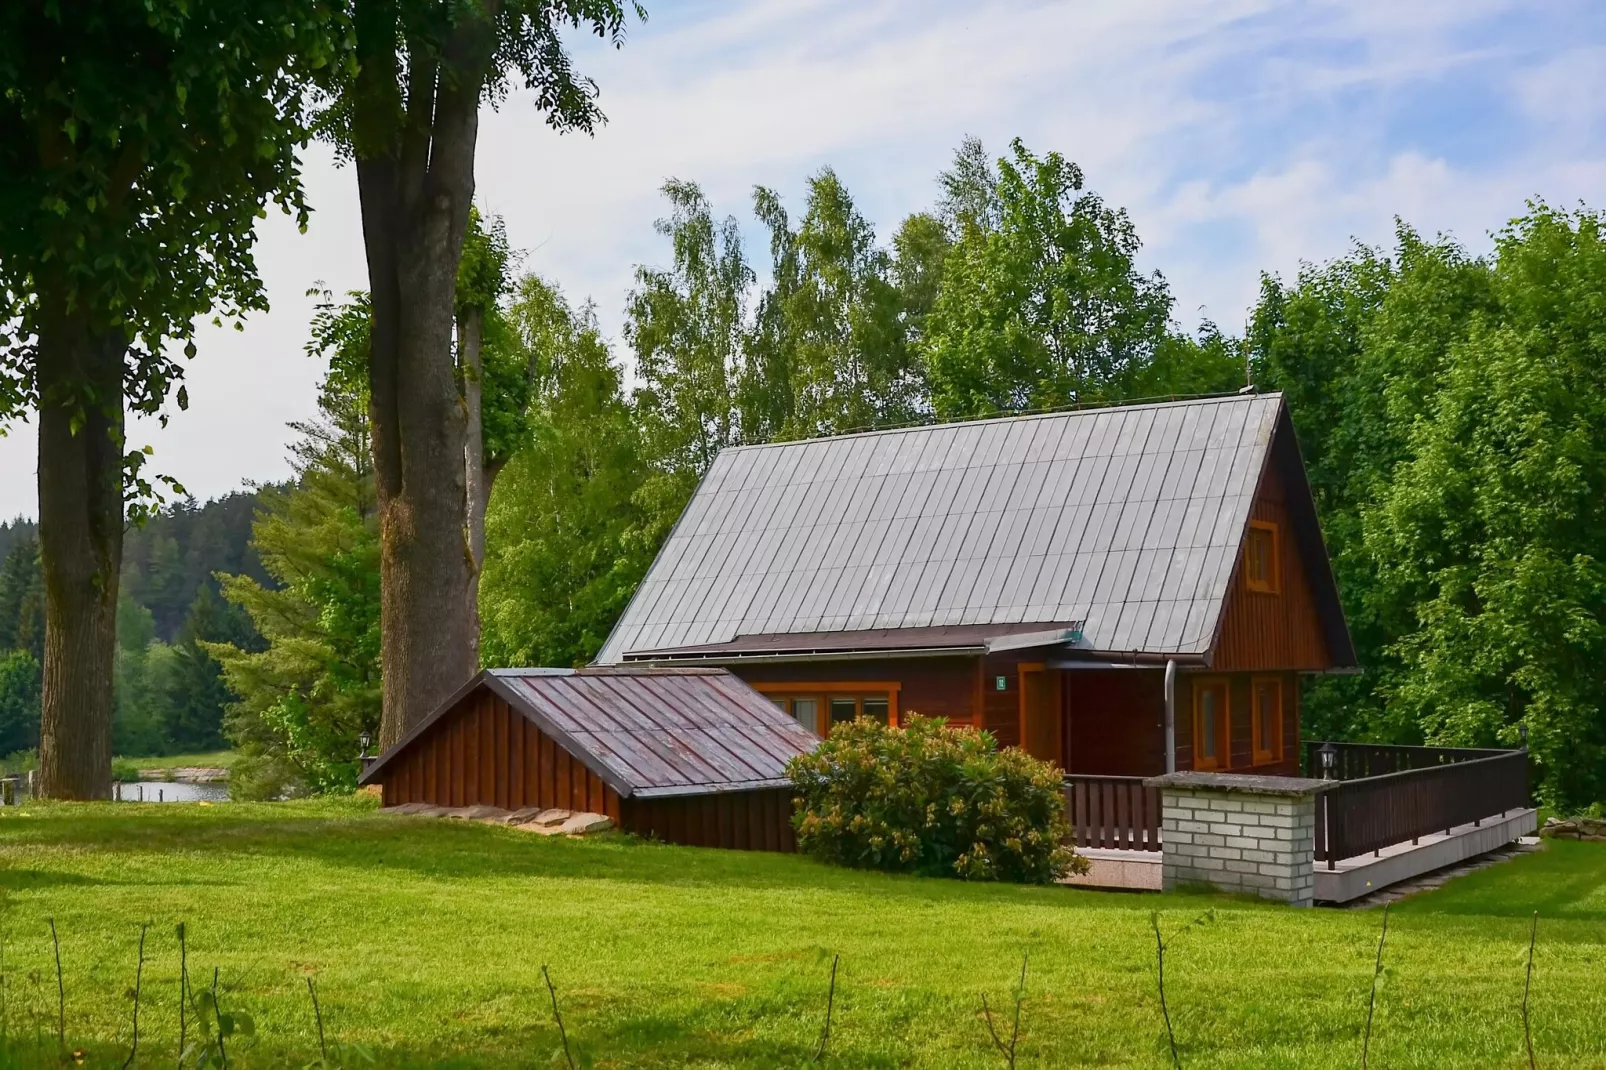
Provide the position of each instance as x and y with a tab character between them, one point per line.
1261	565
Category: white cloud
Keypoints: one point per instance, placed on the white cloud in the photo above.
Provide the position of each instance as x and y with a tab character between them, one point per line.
1241	135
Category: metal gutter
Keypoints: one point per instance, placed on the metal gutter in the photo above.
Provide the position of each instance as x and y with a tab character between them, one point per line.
803	656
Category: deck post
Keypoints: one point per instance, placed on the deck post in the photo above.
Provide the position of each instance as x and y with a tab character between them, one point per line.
1247	834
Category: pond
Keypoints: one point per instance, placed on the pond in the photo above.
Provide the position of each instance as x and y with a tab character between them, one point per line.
168	791
150	791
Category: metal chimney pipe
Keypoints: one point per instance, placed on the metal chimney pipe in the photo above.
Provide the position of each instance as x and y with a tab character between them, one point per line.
1170	715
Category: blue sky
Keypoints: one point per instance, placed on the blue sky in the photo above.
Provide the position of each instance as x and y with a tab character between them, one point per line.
1241	135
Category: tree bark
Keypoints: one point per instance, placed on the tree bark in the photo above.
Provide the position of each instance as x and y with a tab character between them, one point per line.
80	379
415	204
470	332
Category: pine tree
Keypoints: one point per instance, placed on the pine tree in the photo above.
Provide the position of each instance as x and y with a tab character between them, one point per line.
306	698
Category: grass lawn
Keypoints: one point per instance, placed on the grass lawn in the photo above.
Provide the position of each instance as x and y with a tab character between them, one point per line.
218	759
426	939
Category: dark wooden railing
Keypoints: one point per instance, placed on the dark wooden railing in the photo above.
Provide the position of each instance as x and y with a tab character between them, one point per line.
1428	796
1353	761
1113	811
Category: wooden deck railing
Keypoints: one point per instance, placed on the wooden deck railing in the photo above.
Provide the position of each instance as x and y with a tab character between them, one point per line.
1113	811
1372	812
1353	761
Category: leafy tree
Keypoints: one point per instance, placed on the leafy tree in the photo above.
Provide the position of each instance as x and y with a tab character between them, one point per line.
834	317
306	698
139	142
919	249
1492	530
1041	303
406	108
688	328
1356	346
565	553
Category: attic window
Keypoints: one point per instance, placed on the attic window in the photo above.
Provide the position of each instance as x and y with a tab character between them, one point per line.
1261	565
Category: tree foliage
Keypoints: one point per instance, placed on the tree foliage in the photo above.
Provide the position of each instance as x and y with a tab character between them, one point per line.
563	528
306	699
1042	304
1449	409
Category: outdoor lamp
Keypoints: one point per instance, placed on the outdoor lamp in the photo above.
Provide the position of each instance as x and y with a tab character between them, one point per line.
363	741
1328	754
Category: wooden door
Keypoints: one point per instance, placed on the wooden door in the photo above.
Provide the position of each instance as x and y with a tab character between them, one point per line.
1041	728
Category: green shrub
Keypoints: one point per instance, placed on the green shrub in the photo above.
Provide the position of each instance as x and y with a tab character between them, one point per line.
125	770
930	800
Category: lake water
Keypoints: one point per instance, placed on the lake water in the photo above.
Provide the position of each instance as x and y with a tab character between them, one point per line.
164	791
169	791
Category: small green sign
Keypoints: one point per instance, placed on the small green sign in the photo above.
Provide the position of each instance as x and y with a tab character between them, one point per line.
1002	683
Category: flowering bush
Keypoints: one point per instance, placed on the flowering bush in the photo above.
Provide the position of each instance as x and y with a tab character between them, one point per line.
929	800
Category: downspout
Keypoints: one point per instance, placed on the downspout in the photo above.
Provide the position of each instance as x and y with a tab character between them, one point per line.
1171	715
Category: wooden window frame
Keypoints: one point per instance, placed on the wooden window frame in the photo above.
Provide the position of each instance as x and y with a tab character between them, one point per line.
824	692
1260	754
1273	582
1224	740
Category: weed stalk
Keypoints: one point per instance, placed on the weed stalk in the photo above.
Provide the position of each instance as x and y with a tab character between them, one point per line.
1371	1005
558	1016
139	976
830	1002
1527	986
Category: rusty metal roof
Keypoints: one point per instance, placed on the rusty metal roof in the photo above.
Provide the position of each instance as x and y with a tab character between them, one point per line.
648	732
1127	520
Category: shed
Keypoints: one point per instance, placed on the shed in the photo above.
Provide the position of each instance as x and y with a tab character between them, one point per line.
688	755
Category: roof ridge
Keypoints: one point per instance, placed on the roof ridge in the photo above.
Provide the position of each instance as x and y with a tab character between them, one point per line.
1048	414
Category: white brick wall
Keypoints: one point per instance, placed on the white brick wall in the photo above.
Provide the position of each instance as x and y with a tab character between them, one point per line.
1240	842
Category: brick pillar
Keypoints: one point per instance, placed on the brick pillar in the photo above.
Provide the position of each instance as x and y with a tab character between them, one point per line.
1253	835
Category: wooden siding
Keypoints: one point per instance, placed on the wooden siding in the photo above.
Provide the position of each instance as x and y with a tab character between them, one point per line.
1117	721
744	820
1238	696
1273	631
932	687
484	753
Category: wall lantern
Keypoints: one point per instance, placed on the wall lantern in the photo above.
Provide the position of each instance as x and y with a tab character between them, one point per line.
1327	754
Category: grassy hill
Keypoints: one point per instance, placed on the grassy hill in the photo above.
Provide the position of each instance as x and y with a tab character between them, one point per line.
426	939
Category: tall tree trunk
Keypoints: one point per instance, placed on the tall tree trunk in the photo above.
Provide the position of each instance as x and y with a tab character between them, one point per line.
470	333
415	203
80	378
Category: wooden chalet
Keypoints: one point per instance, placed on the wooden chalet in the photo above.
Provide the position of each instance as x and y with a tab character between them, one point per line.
687	755
1124	592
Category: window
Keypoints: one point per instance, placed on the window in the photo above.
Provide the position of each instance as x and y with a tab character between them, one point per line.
819	706
1261	567
1212	719
1266	719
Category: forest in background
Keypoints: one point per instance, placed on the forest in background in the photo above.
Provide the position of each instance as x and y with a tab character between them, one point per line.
1448	406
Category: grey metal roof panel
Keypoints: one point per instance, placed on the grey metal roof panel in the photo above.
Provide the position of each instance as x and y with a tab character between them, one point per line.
1054	517
644	731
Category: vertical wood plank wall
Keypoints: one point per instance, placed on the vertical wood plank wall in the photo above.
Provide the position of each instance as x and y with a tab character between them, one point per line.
1240	751
933	687
743	820
485	753
1273	631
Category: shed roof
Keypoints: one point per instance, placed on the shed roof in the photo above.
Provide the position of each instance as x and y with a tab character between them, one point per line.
1127	520
647	732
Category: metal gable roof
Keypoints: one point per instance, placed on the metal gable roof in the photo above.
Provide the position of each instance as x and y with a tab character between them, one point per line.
647	732
1126	519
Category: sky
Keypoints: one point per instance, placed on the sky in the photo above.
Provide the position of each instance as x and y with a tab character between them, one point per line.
1242	136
